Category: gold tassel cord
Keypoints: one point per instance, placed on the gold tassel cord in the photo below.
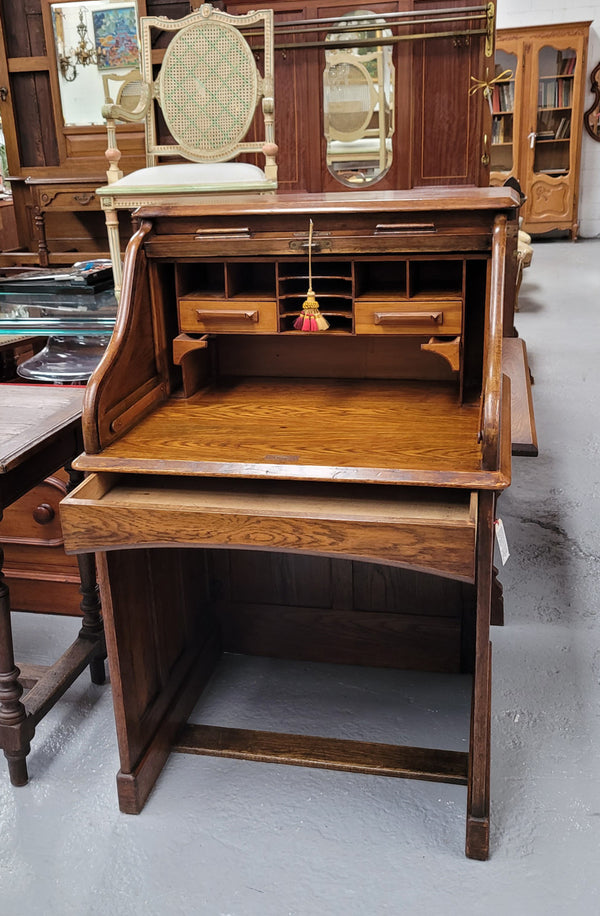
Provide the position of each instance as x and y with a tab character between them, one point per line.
487	85
311	318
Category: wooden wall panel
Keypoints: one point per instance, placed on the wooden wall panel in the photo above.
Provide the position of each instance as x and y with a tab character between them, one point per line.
36	130
23	28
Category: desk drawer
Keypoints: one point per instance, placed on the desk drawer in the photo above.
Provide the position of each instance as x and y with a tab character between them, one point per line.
409	316
71	199
424	528
227	316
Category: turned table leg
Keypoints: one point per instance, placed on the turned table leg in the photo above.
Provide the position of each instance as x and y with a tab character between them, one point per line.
478	798
12	711
39	219
92	626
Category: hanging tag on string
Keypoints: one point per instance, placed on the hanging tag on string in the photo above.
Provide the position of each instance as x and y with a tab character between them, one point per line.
501	540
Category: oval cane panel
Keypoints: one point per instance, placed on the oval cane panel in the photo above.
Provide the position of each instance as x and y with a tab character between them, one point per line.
208	89
349	99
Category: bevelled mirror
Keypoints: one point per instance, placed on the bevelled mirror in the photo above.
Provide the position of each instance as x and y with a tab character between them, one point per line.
358	100
91	39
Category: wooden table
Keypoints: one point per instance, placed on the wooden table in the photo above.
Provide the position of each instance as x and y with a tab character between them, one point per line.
214	426
40	431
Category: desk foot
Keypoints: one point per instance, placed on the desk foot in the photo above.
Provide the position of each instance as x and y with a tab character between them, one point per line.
13	716
477	845
92	626
17	768
97	670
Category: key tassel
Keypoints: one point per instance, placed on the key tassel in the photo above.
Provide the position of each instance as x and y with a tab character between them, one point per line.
311	318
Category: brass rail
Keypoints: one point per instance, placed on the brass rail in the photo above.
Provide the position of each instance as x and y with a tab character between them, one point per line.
375	42
322	24
377	22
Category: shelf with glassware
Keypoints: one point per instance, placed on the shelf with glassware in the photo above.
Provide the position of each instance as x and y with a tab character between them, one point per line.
537	111
69	301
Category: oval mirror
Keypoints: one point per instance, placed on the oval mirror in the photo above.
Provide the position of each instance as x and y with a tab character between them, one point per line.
90	39
358	100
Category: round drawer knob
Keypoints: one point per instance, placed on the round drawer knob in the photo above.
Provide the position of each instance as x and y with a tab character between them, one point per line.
43	514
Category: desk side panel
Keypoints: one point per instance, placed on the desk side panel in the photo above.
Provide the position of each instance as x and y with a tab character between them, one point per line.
154	604
129	380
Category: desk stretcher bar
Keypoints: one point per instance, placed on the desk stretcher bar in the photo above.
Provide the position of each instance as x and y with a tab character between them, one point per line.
325	753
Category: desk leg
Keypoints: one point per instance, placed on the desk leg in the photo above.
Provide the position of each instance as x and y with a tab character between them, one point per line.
12	711
478	799
92	626
39	219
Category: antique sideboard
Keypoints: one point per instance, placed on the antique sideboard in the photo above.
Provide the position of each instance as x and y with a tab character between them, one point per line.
212	423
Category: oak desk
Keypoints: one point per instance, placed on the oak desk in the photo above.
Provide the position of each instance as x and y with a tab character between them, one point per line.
213	423
40	431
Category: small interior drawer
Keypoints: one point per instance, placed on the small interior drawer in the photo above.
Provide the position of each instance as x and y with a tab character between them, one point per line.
408	316
243	315
427	528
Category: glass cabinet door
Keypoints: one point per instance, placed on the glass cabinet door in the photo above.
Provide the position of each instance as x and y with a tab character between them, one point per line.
552	138
502	159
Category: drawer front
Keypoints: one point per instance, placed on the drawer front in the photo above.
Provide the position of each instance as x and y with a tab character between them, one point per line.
72	200
409	316
34	518
430	532
228	316
279	225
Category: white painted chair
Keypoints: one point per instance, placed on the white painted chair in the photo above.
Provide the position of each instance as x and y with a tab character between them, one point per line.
208	89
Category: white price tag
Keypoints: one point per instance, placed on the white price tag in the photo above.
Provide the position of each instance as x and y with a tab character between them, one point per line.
501	540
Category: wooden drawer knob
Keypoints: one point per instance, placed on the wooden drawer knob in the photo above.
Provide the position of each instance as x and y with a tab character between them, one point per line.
43	514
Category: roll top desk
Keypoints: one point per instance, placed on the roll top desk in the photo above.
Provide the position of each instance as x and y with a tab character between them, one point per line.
213	424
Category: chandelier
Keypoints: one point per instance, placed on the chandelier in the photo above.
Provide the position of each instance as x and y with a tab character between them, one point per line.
83	54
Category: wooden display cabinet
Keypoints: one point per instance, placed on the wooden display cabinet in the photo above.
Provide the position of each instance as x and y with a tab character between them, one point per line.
440	128
55	168
538	120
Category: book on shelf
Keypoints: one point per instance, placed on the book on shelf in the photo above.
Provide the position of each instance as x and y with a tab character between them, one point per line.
499	132
567	66
563	129
503	98
555	93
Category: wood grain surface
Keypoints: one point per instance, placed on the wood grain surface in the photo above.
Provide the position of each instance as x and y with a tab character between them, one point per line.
376	429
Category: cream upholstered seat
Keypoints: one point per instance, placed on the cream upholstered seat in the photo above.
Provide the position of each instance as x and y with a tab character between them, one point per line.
208	89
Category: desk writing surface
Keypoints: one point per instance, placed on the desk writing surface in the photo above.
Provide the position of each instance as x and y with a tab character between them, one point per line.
363	430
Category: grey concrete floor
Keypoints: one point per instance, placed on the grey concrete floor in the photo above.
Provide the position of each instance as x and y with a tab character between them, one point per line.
233	838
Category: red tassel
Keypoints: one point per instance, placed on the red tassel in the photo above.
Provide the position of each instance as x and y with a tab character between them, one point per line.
311	318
